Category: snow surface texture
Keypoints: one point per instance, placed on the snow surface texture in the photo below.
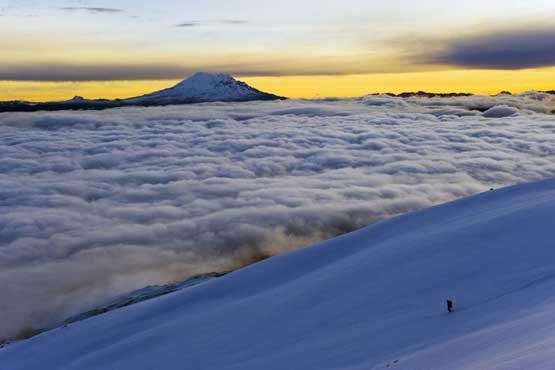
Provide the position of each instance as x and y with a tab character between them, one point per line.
95	204
372	299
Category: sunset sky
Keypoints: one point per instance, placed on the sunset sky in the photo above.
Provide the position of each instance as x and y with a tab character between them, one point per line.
311	48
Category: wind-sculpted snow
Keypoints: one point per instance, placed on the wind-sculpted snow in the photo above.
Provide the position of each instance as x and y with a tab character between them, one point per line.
97	203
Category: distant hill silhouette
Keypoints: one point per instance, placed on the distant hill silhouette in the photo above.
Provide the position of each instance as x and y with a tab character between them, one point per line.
425	94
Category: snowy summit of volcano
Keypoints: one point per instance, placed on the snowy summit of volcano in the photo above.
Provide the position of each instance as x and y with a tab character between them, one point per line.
206	87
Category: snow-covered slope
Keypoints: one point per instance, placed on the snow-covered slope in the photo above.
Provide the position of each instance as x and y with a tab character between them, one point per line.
141	295
205	87
372	299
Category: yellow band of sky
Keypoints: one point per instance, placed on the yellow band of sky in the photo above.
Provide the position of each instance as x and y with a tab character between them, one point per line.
472	81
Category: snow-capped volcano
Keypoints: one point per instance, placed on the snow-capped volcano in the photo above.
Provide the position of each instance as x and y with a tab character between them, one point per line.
205	87
201	87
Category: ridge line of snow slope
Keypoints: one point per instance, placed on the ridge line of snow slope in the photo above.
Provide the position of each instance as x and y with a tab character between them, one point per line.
360	301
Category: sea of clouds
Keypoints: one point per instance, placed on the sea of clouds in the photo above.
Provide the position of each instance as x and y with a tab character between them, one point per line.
93	204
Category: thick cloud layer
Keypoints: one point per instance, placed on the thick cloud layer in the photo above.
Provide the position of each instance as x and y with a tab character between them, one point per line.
97	203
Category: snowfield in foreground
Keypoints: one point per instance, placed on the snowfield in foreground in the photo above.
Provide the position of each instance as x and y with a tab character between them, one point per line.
371	299
96	204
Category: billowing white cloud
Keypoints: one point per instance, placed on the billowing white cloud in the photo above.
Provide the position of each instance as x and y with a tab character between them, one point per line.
98	203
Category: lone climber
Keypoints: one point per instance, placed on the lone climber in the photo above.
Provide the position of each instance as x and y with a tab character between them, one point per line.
449	305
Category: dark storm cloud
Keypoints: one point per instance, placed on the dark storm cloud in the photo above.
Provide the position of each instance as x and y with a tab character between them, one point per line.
65	72
512	49
93	9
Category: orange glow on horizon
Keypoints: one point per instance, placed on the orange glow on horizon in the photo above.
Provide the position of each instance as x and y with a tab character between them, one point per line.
485	82
471	81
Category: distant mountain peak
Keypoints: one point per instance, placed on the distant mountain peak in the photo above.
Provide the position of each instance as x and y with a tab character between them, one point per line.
210	76
205	87
76	99
207	81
